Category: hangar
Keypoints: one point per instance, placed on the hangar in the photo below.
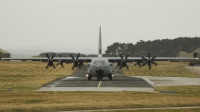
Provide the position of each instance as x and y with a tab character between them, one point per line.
195	53
4	54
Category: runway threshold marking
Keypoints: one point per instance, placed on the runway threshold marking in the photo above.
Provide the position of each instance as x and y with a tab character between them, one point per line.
98	86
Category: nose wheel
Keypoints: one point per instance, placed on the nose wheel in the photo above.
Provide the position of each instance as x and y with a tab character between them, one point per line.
100	78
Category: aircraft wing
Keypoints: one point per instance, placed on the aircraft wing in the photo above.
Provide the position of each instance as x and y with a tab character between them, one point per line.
64	59
110	59
78	62
130	59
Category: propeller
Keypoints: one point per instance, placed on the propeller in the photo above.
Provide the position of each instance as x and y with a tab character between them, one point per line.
60	62
75	61
118	64
149	61
138	62
123	62
50	61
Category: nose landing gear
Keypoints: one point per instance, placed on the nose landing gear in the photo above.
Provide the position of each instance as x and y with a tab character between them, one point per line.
99	78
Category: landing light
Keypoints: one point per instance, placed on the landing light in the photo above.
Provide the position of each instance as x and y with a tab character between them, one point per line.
112	75
86	75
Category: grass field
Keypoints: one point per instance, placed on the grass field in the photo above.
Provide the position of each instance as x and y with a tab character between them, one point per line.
164	68
29	75
25	77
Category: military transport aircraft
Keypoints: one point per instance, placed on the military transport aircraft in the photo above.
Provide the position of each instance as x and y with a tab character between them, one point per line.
101	66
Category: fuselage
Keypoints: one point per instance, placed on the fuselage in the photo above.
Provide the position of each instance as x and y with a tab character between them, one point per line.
100	67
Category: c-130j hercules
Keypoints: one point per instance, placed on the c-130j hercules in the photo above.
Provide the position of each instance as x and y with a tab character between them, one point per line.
101	66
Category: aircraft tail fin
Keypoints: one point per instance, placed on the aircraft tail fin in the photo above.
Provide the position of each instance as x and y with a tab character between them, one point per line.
100	46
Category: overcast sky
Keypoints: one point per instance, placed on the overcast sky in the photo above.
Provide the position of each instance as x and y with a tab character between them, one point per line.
73	25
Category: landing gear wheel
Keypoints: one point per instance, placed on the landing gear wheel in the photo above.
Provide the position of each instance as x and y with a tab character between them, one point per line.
110	77
89	77
100	78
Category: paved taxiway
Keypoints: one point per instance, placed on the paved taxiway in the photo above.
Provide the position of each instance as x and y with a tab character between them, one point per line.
78	82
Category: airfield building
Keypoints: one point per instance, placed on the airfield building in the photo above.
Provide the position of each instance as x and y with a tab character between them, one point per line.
195	54
4	54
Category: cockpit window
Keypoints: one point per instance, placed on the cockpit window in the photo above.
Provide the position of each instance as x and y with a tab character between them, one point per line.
99	62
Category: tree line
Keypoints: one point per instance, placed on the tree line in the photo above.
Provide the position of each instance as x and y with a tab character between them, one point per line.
164	47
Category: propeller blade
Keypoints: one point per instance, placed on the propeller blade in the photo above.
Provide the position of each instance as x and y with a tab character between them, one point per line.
47	56
77	56
123	62
72	57
154	63
144	58
149	61
139	64
73	67
50	61
53	56
47	66
149	55
53	66
135	64
120	66
127	56
154	57
57	63
60	63
76	62
149	64
127	67
121	56
150	67
144	63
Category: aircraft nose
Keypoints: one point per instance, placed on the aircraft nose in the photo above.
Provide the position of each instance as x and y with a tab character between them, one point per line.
99	70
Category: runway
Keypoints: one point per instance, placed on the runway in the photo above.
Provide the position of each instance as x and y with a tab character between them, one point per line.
79	82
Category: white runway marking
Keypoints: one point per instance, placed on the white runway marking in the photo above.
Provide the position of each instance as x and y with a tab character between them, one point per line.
147	80
98	86
170	81
71	77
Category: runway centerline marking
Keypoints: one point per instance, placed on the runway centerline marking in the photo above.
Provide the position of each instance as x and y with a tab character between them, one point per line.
98	86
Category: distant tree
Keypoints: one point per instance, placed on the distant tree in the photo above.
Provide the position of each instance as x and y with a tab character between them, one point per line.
164	47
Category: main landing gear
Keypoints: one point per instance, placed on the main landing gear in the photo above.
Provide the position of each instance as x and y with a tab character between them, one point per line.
110	77
89	76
